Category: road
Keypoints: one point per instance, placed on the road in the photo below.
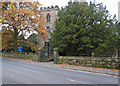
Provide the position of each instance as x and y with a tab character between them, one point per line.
22	72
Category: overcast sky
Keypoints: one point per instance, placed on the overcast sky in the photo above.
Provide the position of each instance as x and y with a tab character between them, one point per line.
112	5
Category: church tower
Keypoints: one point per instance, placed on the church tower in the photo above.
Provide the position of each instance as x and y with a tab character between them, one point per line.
50	14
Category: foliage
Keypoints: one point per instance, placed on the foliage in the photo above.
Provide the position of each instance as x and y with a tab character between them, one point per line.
29	44
33	57
83	28
21	18
33	38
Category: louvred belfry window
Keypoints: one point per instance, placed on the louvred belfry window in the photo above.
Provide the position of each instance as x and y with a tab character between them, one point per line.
48	18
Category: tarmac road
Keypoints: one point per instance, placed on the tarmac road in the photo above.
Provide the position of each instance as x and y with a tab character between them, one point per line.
22	72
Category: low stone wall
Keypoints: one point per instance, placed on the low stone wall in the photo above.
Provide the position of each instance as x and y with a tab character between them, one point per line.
98	62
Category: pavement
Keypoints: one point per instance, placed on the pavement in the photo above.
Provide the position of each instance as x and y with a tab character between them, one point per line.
94	70
29	72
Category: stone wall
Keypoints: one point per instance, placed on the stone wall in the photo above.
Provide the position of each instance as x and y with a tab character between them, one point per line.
99	62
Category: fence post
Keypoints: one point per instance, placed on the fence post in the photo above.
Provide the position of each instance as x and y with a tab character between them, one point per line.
55	55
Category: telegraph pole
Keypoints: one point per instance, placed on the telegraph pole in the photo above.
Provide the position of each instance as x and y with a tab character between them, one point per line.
93	1
119	28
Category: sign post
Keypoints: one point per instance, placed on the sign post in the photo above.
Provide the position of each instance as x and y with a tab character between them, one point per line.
20	49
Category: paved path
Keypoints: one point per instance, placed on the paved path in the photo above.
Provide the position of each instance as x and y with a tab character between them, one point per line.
93	70
22	72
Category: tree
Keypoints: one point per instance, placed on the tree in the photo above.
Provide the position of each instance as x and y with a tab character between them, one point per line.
33	38
22	18
7	40
21	37
83	28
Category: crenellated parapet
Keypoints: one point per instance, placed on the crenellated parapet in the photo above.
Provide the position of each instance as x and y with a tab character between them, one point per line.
50	8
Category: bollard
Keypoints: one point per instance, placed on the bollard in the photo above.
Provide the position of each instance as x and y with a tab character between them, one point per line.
55	54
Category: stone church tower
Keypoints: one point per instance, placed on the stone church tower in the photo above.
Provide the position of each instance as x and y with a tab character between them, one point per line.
50	13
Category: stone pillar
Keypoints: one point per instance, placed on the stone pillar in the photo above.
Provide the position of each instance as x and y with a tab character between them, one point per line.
55	55
39	54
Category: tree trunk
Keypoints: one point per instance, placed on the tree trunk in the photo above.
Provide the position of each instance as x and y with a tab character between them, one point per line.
15	46
15	40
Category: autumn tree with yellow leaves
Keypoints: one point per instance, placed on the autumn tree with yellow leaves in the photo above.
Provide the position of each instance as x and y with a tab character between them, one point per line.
22	18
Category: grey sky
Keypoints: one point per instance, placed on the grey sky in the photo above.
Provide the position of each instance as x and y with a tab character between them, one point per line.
112	5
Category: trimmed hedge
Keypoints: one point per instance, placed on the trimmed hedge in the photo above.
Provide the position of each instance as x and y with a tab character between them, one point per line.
98	62
32	57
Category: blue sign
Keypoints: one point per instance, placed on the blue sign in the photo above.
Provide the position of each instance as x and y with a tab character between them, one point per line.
20	49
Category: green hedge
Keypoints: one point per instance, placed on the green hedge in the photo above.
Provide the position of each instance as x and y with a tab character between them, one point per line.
33	57
98	62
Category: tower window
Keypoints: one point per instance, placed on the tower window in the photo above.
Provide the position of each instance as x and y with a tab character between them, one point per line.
48	28
48	18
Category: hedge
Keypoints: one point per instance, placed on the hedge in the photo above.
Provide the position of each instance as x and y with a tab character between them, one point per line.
33	57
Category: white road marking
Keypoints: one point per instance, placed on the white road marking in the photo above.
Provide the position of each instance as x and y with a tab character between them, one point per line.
91	72
77	81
